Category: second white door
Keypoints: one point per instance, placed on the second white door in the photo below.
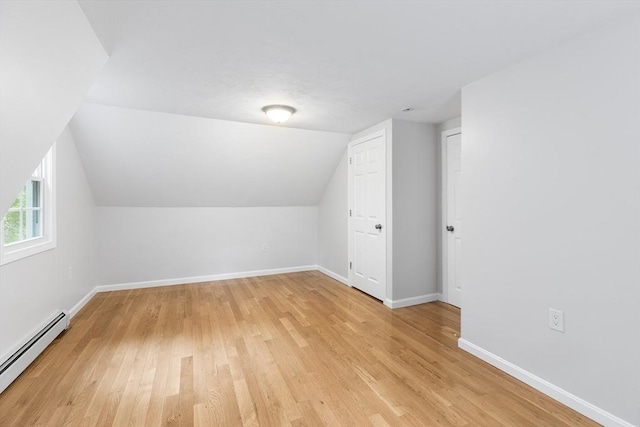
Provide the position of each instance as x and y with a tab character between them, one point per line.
453	146
367	216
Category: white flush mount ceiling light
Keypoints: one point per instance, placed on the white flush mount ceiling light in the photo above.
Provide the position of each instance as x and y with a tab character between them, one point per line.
278	113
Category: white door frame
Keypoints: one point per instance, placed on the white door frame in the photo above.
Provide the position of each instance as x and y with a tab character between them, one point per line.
382	133
443	202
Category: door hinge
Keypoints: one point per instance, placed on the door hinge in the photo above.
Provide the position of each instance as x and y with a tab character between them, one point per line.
350	265
349	212
350	160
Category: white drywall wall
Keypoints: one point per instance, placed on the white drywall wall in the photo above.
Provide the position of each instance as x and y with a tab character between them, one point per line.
33	288
333	222
147	244
49	58
453	123
415	210
551	185
145	158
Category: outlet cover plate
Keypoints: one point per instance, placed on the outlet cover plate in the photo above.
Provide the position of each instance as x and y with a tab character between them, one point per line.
556	320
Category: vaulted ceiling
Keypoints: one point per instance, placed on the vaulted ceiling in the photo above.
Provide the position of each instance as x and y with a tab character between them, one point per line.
174	118
345	65
49	57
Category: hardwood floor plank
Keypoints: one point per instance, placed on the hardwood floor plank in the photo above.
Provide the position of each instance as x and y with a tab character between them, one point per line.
171	411
298	349
185	395
247	411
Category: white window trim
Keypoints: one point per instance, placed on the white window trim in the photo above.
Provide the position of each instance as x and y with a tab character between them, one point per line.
47	241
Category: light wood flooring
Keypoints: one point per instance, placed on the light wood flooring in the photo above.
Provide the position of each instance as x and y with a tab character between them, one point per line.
295	349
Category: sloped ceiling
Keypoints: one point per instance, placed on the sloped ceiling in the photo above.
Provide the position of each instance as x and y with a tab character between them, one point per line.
143	158
175	117
345	65
49	57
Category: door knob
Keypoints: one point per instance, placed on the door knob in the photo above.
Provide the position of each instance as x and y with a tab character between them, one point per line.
378	226
450	228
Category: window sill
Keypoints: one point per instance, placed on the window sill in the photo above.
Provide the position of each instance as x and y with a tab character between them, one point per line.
37	246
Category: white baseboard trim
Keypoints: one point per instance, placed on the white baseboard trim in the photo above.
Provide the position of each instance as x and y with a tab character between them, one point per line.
574	402
76	308
198	279
333	275
406	302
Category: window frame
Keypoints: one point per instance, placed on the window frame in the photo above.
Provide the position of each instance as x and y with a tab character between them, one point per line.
27	211
35	245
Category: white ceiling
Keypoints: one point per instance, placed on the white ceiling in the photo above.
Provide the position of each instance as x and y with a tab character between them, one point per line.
175	117
144	158
345	65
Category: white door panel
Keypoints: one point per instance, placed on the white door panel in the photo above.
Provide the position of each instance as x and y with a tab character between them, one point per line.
359	255
368	204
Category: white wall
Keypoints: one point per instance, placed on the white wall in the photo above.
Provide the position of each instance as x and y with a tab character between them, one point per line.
148	244
333	222
453	123
34	288
415	210
49	58
551	185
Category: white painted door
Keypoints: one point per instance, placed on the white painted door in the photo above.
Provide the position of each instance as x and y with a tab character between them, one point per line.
367	216
453	218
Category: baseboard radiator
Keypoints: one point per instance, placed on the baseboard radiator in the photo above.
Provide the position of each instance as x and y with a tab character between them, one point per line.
21	359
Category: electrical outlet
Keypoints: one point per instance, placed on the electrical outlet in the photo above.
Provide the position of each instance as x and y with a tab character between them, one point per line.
556	320
265	247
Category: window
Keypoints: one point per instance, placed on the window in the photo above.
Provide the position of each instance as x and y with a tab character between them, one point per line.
24	219
28	227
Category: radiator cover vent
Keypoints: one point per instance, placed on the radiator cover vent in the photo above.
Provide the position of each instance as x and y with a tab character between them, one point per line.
25	355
